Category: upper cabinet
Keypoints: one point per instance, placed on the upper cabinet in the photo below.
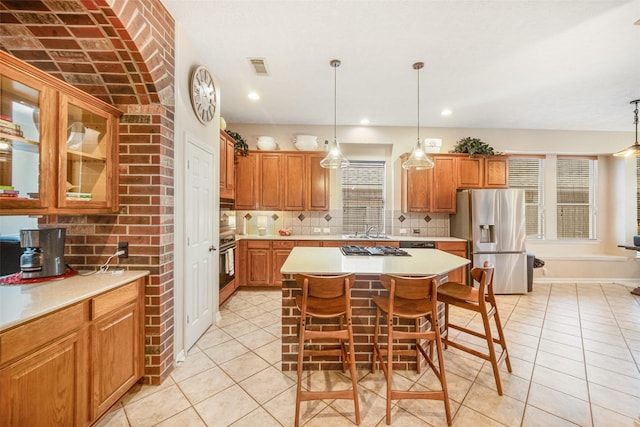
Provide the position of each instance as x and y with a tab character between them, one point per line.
482	172
58	145
227	166
430	190
281	180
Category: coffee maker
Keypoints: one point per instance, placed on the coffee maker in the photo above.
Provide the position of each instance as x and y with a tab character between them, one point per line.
43	254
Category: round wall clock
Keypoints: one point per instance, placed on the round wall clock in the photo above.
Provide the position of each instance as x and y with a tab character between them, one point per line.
203	94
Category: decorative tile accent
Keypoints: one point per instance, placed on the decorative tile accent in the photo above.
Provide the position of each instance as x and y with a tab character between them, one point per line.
224	216
248	216
301	217
327	217
401	218
427	219
275	217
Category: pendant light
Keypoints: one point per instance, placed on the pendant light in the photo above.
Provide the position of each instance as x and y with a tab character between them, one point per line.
632	150
334	158
418	159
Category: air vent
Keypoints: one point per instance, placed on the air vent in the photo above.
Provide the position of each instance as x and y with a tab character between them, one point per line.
259	66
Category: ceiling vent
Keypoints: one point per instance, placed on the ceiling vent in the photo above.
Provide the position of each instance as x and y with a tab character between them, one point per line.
259	66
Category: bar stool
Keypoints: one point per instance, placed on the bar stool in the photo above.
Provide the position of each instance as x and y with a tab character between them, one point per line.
476	299
327	297
410	298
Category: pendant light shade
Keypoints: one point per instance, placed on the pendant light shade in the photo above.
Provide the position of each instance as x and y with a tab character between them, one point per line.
632	150
418	159
334	158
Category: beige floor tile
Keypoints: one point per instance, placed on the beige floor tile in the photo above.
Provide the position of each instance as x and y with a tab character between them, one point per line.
603	417
431	411
468	417
226	407
561	337
187	418
283	408
486	401
274	329
140	391
526	340
562	327
561	364
534	417
619	382
256	339
512	385
372	407
559	381
613	400
520	368
205	384
226	351
466	367
228	318
271	353
257	418
607	349
521	351
523	328
616	365
240	328
214	336
244	366
560	404
265	319
156	407
115	418
611	339
523	318
192	365
570	320
599	327
266	384
568	351
458	386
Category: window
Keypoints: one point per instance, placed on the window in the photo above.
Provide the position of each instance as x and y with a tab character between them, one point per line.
363	196
527	173
575	182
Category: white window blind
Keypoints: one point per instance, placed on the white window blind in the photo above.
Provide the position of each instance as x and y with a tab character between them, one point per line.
527	174
363	185
575	180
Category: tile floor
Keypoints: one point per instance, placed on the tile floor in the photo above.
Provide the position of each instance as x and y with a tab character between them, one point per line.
575	352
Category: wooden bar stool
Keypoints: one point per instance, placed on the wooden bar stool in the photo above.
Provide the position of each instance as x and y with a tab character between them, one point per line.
327	297
410	298
481	300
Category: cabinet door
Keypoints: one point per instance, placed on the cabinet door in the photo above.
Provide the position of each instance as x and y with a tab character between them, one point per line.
269	181
88	178
444	185
116	350
279	257
259	266
318	184
223	164
418	190
470	172
231	168
47	388
293	182
246	182
496	172
460	249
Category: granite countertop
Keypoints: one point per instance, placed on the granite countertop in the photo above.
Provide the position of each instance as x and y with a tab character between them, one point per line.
19	303
347	239
425	262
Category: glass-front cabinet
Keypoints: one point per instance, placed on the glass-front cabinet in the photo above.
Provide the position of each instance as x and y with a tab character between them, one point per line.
58	145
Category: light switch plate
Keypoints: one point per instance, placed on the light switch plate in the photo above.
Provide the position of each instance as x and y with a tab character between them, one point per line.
316	230
326	230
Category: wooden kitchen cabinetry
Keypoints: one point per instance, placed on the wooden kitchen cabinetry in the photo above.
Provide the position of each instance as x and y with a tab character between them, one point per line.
70	366
258	266
460	249
280	251
430	190
482	172
290	181
65	141
227	166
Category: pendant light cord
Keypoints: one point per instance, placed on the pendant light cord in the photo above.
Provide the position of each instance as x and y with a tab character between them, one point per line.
335	64
635	120
418	66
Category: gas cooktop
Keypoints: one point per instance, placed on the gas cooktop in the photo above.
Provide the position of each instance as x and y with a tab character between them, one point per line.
350	250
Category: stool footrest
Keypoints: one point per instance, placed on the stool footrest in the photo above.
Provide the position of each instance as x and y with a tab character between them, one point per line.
316	395
401	394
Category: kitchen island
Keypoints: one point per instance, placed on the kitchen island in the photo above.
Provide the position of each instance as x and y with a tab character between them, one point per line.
328	261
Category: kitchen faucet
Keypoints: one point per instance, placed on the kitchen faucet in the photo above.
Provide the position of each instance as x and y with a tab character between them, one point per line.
369	229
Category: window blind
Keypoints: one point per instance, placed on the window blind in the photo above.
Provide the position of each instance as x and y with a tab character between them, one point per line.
575	178
526	173
363	189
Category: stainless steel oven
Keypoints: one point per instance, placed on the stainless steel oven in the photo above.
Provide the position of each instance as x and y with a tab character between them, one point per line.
227	242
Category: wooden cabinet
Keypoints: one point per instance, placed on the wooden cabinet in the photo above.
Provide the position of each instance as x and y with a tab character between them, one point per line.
290	181
430	190
58	145
496	172
460	249
280	251
75	363
227	166
482	172
258	265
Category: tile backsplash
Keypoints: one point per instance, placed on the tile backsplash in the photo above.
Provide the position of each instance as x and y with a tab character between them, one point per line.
330	222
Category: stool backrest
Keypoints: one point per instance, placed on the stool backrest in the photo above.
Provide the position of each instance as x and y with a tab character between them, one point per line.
409	287
325	286
484	276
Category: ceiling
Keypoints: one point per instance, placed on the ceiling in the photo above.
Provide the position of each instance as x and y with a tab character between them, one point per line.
530	64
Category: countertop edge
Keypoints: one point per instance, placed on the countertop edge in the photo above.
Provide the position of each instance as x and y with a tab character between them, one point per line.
389	238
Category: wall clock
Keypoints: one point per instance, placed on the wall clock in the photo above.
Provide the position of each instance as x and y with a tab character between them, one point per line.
203	94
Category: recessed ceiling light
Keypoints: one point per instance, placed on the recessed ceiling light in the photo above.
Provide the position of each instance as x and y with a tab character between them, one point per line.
446	112
364	121
254	96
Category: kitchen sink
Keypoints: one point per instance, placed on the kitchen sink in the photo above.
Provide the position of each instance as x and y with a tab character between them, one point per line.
365	237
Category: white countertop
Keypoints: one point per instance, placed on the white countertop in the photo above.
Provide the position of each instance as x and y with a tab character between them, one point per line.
389	238
19	303
422	262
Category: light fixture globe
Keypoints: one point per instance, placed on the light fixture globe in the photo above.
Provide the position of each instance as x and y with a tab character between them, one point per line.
334	158
418	159
634	149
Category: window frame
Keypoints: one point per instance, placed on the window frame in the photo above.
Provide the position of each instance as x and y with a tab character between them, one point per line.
541	192
592	204
351	226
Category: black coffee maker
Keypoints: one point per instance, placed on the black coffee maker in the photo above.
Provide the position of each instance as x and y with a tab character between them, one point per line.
43	254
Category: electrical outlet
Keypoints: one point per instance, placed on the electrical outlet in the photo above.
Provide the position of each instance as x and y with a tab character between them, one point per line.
416	231
403	231
317	230
123	246
326	230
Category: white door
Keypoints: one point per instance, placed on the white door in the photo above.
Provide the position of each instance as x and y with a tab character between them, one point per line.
200	267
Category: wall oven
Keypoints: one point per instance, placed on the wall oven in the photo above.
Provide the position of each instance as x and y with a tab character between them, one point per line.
227	242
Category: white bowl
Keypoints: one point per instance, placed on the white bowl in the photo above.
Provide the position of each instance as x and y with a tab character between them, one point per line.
266	143
306	142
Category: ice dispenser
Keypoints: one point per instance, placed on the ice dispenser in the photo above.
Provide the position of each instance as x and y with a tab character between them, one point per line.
487	233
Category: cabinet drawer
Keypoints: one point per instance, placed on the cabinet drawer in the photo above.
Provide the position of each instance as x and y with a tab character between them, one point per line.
452	246
258	244
283	244
114	299
28	337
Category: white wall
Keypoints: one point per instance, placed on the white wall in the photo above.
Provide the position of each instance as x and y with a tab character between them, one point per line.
186	123
616	189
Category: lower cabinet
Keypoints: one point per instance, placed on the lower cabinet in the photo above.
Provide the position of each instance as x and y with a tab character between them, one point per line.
280	250
460	249
69	367
258	265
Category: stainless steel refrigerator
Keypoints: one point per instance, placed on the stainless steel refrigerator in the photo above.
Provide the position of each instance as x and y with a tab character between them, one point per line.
493	223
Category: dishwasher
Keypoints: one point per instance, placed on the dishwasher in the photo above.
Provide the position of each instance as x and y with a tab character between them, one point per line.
418	244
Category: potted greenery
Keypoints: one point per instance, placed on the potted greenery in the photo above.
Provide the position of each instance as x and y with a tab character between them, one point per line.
473	146
241	147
